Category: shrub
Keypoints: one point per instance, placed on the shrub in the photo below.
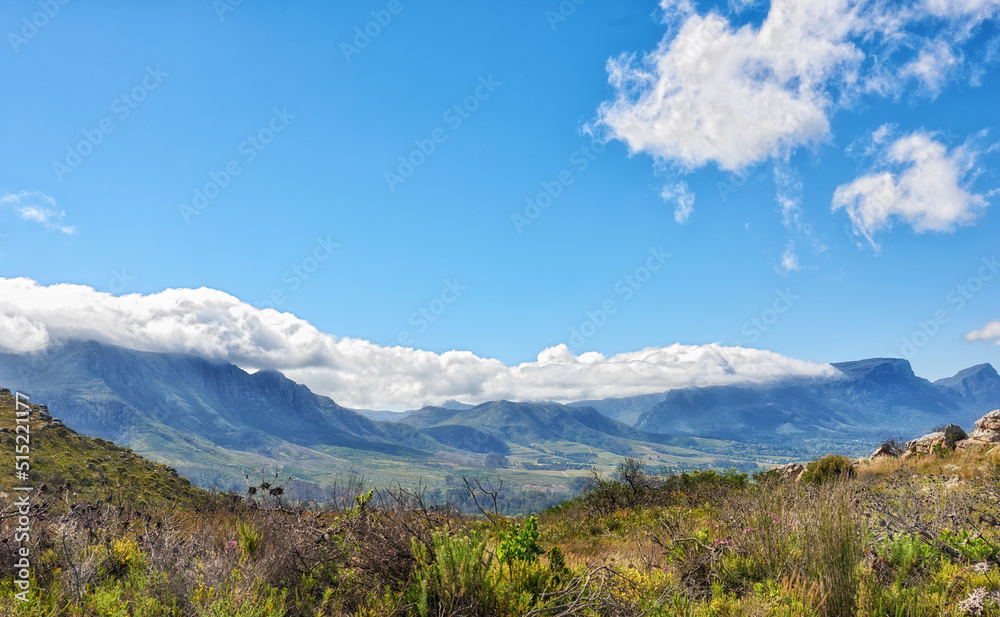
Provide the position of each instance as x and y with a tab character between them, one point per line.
496	460
250	539
455	579
833	547
521	545
830	467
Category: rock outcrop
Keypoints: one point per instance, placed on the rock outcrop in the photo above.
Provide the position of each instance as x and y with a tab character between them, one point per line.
986	433
925	444
886	450
791	471
946	439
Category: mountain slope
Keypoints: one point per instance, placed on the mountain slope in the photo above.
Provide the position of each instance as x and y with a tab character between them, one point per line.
624	409
873	397
977	386
198	414
72	467
554	426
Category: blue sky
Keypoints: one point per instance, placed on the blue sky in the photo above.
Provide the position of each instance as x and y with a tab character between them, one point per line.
114	118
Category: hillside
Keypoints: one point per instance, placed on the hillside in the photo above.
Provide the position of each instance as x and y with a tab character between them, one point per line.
915	535
212	421
553	435
70	467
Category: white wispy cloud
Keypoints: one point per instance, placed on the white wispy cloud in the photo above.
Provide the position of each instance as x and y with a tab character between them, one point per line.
990	332
789	260
38	208
683	200
356	372
975	10
933	66
922	184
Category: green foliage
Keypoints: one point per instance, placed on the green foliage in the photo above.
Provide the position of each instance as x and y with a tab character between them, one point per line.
249	539
705	479
830	467
557	562
833	545
120	558
134	596
907	552
972	546
520	544
270	603
456	578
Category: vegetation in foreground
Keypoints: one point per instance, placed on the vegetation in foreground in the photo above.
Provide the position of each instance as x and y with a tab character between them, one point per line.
115	535
915	537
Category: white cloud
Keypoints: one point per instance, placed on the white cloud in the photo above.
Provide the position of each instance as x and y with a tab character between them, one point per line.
714	91
736	96
932	66
924	185
682	198
356	372
789	260
38	208
974	10
989	332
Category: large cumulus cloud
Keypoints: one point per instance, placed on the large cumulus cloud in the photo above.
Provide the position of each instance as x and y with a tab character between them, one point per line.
356	372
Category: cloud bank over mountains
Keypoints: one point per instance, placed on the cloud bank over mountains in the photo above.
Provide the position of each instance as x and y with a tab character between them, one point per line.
355	372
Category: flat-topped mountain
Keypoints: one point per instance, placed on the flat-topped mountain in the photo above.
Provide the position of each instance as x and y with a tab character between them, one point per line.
873	396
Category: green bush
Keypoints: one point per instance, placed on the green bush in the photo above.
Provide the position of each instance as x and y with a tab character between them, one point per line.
520	544
250	539
833	546
907	552
455	579
830	467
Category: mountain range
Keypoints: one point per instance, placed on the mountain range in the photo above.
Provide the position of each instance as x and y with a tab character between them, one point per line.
213	421
881	397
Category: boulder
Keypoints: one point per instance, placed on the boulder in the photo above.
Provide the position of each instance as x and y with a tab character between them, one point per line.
884	451
989	422
986	433
949	438
953	434
926	444
791	471
971	444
